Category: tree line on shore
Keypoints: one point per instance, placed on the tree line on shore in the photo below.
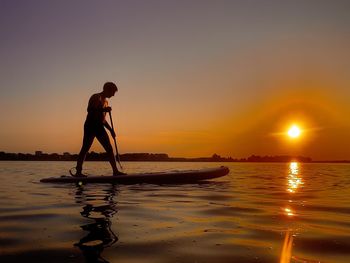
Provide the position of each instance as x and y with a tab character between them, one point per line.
156	157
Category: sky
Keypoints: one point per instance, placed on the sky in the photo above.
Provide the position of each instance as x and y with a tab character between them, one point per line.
195	77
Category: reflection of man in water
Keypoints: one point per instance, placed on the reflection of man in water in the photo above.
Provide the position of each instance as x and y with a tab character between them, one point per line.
100	234
95	125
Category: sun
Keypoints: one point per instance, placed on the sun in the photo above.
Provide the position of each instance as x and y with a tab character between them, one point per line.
294	131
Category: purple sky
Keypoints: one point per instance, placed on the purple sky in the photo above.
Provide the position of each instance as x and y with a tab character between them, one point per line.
195	77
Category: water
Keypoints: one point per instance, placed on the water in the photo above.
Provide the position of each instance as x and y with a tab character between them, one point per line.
258	213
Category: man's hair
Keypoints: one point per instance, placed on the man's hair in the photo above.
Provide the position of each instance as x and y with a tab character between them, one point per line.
110	86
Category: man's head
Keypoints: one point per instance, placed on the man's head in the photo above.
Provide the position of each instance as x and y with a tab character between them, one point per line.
109	89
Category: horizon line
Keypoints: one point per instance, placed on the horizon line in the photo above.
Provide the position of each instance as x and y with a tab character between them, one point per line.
40	153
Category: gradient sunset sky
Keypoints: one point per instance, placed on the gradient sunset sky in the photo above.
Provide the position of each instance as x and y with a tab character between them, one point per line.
195	77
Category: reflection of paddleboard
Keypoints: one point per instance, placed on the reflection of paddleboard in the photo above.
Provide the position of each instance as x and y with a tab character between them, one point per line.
171	177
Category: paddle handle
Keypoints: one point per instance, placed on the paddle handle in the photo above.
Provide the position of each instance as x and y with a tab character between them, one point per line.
115	142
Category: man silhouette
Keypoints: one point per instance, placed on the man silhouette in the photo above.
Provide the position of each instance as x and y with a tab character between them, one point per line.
95	125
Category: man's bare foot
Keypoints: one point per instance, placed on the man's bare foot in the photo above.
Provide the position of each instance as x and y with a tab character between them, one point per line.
118	173
76	174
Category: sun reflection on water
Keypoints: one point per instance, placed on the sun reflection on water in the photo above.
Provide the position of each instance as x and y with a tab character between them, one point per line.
294	183
294	179
289	212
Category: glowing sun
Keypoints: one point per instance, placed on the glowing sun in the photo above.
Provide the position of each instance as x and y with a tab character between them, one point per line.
294	131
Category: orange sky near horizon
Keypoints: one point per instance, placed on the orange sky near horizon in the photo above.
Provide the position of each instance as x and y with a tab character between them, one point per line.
195	78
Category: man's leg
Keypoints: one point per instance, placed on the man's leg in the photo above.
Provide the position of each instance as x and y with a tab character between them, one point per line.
102	137
87	142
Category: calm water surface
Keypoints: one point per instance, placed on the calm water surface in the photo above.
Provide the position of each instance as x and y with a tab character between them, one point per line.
258	213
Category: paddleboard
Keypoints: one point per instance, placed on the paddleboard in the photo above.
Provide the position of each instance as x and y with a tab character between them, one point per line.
170	177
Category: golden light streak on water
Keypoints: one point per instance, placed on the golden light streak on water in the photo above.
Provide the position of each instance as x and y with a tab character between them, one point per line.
286	253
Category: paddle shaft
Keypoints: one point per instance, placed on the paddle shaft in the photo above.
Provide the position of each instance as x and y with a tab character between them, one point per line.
115	142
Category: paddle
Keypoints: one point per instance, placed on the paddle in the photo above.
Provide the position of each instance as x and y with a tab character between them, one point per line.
115	142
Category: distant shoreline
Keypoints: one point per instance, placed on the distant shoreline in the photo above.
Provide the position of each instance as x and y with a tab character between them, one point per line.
158	157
